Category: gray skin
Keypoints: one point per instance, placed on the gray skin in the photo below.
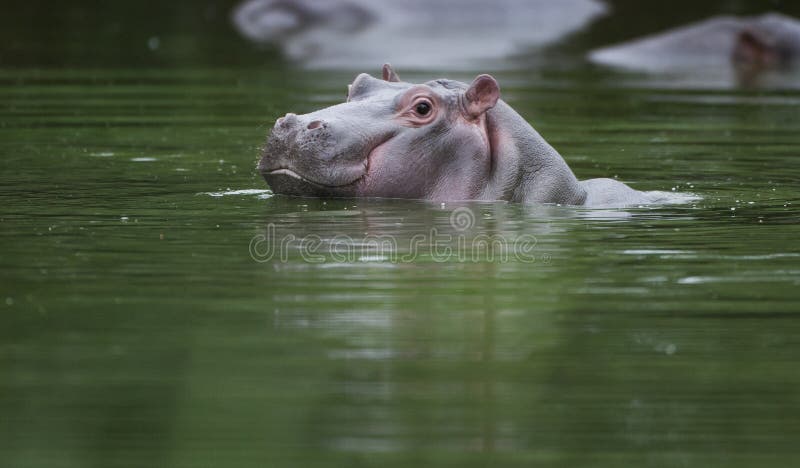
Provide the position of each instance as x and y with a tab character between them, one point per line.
442	140
751	44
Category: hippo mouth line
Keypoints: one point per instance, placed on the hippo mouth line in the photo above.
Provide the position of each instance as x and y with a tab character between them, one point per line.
291	173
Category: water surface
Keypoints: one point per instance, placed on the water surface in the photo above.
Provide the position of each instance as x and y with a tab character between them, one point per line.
143	322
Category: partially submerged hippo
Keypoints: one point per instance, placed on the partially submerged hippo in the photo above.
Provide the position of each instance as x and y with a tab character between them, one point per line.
442	140
415	33
750	44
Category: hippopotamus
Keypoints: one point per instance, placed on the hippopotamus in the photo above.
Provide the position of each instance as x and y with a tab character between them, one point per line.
442	140
750	44
445	34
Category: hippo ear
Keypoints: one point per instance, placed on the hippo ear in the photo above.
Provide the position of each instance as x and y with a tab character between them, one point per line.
482	95
389	74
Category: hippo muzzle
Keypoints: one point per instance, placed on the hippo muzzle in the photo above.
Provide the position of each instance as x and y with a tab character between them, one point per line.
301	158
327	152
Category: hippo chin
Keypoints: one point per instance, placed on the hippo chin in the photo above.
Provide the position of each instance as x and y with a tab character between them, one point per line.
442	140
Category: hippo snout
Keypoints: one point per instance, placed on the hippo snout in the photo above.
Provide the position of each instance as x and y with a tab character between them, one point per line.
302	144
287	121
290	122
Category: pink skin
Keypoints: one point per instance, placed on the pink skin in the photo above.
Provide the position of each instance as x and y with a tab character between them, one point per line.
467	135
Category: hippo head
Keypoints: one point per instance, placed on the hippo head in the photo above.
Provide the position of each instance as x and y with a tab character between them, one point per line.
769	41
388	139
757	49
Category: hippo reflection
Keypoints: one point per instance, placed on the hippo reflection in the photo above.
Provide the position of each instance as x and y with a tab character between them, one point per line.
750	44
442	140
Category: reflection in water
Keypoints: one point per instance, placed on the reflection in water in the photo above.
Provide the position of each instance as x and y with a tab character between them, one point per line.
505	356
381	403
138	330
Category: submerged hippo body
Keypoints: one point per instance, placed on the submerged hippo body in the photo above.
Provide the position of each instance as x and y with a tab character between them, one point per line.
768	41
442	140
451	34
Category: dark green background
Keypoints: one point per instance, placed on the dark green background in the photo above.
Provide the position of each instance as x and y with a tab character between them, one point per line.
136	329
114	33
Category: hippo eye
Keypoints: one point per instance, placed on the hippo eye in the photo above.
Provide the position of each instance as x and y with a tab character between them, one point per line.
423	108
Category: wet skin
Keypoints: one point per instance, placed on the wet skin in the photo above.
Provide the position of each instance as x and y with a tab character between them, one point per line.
442	141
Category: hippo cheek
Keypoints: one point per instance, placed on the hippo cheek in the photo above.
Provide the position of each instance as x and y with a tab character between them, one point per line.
441	165
393	173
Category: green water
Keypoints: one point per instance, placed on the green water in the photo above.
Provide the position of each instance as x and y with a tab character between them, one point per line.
141	323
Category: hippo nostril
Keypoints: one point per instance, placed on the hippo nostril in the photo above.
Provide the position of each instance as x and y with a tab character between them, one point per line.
315	124
288	120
